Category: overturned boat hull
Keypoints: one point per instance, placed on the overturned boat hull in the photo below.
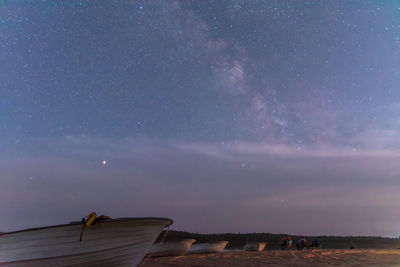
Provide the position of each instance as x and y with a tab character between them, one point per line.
171	248
113	242
214	247
255	246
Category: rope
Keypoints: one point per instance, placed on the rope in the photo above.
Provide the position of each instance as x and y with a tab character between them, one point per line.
148	256
90	219
83	228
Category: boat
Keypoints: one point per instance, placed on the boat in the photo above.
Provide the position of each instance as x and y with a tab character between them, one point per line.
213	247
171	248
109	242
255	246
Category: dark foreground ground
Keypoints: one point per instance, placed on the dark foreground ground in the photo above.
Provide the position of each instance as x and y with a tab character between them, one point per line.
323	257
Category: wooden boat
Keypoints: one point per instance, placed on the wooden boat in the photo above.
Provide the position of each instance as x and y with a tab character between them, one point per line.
255	246
110	242
213	247
171	248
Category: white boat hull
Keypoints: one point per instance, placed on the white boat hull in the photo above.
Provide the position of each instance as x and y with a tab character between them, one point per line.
214	247
255	246
119	242
171	248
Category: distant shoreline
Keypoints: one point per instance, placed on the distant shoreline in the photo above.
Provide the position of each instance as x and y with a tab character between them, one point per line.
237	241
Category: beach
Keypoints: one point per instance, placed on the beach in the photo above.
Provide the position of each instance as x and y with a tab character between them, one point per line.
328	257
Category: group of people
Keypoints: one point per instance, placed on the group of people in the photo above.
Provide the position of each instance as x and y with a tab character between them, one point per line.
286	243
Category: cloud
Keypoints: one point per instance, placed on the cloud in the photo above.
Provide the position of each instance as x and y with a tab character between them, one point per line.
247	150
382	133
378	138
256	187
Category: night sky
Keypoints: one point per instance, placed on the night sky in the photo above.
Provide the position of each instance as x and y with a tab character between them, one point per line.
227	116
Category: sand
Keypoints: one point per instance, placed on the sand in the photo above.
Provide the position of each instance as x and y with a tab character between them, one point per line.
330	257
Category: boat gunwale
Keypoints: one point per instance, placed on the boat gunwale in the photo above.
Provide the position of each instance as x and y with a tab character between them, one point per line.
102	221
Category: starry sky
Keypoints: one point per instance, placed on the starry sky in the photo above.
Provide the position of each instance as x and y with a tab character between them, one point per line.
227	116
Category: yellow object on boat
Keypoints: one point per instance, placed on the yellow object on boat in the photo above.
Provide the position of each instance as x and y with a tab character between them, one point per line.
90	219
